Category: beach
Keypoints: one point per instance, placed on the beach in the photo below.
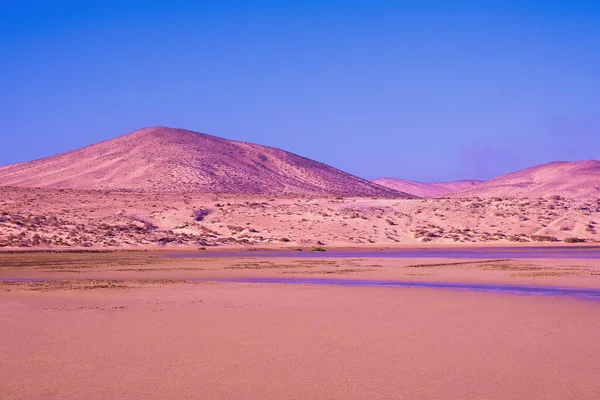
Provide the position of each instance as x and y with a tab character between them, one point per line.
181	328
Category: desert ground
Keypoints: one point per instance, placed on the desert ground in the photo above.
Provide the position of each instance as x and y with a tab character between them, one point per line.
299	200
116	284
63	218
143	324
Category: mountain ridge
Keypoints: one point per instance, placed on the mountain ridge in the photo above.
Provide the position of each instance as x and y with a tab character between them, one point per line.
572	179
422	189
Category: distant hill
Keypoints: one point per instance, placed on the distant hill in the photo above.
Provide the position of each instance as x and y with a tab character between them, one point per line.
163	159
438	189
578	180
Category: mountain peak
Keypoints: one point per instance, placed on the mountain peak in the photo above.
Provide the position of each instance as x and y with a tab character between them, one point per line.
163	159
163	131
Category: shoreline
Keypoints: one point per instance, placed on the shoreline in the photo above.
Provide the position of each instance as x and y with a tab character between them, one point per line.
249	249
579	293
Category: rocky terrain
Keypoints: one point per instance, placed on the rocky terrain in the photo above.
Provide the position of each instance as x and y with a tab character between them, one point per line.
63	218
172	187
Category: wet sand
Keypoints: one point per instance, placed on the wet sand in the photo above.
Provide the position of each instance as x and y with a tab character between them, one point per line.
439	251
141	328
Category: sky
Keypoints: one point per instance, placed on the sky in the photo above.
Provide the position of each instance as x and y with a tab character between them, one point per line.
423	90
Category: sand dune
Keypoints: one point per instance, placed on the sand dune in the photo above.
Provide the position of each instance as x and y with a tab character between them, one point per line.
421	189
578	180
162	159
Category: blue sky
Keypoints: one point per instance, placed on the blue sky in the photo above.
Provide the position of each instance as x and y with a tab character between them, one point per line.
423	90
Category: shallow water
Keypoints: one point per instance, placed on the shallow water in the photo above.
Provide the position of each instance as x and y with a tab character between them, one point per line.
581	293
587	252
585	293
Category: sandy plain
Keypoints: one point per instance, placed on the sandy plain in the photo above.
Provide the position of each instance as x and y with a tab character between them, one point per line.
50	218
136	325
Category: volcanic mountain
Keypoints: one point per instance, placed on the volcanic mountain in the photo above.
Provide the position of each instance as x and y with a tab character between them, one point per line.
421	189
163	159
578	180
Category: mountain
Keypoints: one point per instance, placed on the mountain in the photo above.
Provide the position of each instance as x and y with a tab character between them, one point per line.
578	180
420	189
163	159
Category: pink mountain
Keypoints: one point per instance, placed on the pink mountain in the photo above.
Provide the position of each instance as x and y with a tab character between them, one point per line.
578	179
163	159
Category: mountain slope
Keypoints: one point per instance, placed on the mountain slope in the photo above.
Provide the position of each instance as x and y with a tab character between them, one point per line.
578	180
163	159
421	189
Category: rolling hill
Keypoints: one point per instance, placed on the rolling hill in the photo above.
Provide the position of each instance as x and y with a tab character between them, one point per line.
162	159
577	179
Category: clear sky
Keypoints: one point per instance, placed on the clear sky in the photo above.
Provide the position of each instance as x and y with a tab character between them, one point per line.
423	90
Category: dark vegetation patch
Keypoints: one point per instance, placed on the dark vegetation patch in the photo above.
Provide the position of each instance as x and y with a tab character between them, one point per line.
84	284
